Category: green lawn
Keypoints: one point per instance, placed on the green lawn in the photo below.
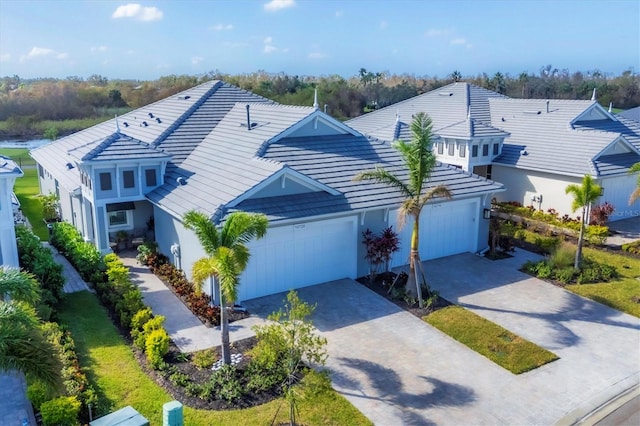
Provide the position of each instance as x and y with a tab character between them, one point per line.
27	190
19	155
112	368
617	294
489	339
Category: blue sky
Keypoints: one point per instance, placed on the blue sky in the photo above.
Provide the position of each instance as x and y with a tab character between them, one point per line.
146	40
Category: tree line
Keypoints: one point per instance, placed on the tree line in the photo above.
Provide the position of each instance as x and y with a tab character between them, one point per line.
25	101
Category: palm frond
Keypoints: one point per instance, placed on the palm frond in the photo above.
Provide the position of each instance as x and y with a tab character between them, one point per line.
203	269
228	273
19	285
381	175
438	191
204	229
242	227
636	192
583	194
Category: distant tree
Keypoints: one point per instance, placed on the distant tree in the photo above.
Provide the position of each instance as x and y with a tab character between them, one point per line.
455	76
583	196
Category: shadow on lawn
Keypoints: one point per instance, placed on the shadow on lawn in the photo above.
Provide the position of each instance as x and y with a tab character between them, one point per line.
390	390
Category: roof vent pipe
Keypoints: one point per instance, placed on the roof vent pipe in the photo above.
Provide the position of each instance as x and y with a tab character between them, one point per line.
248	119
547	107
325	108
610	107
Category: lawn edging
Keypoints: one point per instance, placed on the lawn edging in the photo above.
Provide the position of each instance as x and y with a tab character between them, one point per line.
494	342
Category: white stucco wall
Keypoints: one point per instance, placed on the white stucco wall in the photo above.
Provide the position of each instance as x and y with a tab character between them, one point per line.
522	185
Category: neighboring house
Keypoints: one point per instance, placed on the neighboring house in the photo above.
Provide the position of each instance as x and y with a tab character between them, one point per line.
631	114
218	149
9	171
535	147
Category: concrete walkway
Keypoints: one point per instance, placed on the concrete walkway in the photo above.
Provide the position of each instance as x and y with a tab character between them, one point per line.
184	328
624	231
398	370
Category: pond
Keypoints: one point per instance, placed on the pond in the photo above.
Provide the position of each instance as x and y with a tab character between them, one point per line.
29	144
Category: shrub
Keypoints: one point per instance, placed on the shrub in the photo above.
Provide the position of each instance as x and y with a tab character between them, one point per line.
157	346
226	383
563	256
204	359
141	330
566	275
61	411
380	248
147	252
633	247
600	214
596	234
547	244
38	393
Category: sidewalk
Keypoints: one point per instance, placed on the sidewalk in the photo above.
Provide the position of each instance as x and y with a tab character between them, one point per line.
185	329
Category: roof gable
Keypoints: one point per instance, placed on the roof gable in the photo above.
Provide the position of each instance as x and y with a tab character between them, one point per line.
116	147
595	112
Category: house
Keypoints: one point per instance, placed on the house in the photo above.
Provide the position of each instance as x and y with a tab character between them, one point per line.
631	114
9	172
218	149
535	147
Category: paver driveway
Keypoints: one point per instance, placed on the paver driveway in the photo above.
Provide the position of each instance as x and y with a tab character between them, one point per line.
400	371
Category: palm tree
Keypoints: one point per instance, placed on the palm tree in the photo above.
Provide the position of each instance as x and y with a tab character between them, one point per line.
636	192
23	347
226	257
419	161
583	196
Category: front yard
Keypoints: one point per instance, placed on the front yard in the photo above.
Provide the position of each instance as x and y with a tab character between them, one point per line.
120	381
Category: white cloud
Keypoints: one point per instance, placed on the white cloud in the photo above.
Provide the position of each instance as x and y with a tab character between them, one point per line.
274	5
339	13
436	32
459	40
99	48
36	52
196	60
269	48
316	55
383	25
268	40
5	57
221	27
138	12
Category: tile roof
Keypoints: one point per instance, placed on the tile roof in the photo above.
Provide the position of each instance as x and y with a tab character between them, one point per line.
615	164
8	167
447	106
334	161
116	147
631	114
174	125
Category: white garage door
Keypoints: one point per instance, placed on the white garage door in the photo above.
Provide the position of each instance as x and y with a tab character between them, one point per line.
295	256
445	229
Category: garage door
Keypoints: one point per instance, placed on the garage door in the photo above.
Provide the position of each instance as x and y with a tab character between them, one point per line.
445	229
295	256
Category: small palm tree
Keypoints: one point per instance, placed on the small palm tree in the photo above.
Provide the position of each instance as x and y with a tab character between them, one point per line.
636	192
583	196
23	347
420	161
226	257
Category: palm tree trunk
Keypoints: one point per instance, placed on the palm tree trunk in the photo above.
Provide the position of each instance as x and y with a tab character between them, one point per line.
413	282
224	330
578	260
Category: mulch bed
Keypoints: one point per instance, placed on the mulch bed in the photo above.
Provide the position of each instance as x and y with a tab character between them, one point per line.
382	284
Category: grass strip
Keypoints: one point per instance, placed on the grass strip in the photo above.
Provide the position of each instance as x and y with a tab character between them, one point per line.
622	293
489	339
27	190
19	155
110	365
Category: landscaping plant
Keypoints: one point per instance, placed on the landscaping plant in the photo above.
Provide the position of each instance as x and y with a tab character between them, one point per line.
380	248
583	196
419	160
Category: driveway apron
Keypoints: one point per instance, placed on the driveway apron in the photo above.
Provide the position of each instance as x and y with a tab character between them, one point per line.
398	370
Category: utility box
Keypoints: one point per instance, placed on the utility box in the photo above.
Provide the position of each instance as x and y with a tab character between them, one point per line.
172	414
126	416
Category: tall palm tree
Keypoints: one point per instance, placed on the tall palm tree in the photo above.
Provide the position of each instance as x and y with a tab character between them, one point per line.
23	347
226	257
419	159
583	196
636	192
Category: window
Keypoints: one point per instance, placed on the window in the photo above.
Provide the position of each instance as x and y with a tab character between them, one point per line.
105	182
440	148
127	179
118	218
495	149
40	172
463	150
451	148
485	150
150	177
474	151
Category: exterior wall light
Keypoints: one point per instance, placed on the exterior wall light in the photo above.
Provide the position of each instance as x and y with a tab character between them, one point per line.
486	213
